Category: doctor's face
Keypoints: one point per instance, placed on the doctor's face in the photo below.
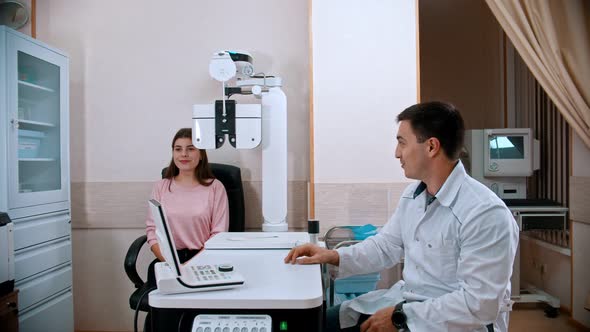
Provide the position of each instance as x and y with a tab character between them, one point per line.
186	155
412	155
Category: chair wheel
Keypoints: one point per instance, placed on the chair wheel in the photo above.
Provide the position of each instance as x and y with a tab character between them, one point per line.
551	312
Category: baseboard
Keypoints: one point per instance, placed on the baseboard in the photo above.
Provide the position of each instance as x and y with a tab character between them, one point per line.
578	324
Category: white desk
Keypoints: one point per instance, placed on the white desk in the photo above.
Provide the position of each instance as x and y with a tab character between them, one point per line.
271	286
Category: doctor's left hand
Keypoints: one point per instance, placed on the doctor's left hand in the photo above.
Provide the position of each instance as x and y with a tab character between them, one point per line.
380	321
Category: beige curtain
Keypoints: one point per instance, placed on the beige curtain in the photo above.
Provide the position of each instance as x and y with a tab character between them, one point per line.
553	39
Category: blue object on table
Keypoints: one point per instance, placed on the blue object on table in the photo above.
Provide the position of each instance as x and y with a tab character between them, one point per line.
362	232
339	298
357	284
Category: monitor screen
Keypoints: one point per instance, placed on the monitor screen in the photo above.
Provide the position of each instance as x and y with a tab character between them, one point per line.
507	152
506	147
164	235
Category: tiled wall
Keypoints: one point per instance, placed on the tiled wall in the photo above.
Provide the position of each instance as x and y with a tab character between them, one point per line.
356	203
124	204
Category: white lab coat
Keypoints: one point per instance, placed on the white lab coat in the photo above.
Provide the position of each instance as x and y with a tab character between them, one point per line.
458	253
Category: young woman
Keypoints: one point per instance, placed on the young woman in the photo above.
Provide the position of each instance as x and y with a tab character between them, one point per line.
195	202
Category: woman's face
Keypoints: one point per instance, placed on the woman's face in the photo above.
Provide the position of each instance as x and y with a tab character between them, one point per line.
186	155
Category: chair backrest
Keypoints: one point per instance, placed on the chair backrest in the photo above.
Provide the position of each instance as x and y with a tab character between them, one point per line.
231	178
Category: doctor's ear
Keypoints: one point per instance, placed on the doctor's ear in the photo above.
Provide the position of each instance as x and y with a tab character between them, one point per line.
433	144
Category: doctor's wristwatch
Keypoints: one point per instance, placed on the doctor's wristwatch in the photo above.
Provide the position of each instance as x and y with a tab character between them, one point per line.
399	318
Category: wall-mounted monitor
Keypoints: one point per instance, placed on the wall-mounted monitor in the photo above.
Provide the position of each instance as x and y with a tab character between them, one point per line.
508	152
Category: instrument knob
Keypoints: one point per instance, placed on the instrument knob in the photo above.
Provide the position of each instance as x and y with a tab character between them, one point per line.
225	268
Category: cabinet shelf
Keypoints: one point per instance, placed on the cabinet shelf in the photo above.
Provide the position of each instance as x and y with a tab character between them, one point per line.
35	123
35	86
36	159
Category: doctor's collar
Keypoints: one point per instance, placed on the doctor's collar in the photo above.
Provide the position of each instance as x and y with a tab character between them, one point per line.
447	193
420	189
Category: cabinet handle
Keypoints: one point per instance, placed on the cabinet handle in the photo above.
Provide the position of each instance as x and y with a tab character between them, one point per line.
14	123
11	304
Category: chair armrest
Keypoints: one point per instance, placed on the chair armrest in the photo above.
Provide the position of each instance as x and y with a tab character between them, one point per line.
346	243
131	260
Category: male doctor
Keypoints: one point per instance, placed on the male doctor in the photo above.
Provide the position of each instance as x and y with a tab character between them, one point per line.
457	238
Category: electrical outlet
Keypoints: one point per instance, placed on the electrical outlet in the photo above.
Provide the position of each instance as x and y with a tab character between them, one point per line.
543	268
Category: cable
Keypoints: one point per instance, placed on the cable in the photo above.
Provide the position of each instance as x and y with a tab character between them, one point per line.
180	321
257	75
138	304
223	96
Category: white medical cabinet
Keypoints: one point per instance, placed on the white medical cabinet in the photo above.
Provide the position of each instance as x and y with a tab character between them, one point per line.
35	178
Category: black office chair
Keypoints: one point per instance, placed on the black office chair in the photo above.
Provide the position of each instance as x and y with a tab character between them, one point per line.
231	178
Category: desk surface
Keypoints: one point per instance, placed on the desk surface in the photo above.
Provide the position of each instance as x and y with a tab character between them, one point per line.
538	209
256	240
270	283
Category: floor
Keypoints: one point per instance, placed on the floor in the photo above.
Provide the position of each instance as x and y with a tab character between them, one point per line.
533	319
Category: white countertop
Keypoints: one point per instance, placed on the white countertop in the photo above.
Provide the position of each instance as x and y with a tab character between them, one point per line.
257	240
270	283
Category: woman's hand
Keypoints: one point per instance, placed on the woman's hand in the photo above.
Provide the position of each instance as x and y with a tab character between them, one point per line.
312	254
156	250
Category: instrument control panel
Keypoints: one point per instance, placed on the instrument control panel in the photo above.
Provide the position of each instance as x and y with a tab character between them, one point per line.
232	323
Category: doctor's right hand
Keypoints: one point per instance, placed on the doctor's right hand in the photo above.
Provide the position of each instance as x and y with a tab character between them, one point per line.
312	254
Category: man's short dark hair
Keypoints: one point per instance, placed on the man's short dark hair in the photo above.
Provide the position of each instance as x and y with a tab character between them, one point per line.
437	119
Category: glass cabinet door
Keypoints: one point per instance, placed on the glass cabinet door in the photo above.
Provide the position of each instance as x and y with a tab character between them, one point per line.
37	97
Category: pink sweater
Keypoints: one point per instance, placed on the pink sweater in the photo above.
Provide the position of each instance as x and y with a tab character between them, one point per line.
195	214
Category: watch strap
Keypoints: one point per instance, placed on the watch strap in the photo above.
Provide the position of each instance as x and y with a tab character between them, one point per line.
397	311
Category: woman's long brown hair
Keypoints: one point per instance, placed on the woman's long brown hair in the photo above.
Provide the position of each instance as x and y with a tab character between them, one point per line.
203	172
